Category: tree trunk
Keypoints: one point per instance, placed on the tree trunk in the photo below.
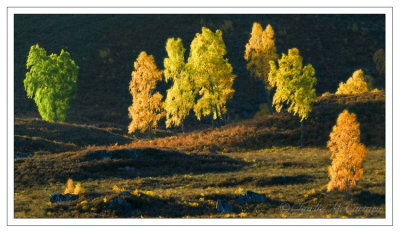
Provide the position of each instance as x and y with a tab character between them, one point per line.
55	112
150	133
183	129
218	118
269	101
302	134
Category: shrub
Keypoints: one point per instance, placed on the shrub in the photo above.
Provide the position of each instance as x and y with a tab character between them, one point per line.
355	84
70	189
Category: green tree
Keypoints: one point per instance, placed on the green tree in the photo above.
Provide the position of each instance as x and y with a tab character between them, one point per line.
51	82
379	60
294	86
260	50
181	96
211	73
146	108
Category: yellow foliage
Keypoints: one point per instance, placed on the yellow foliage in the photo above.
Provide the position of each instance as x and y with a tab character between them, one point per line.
136	193
239	191
211	72
181	96
146	108
354	85
70	187
294	84
325	94
117	189
347	153
260	50
78	189
242	215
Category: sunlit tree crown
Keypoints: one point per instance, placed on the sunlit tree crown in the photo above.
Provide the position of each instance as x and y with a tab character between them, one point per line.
294	84
211	72
354	85
146	109
51	82
347	153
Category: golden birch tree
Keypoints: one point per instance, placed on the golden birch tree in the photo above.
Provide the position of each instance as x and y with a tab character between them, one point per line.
211	73
181	96
347	153
354	85
146	109
260	50
294	86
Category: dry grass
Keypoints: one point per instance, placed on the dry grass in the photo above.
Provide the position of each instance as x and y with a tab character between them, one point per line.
184	175
169	184
282	130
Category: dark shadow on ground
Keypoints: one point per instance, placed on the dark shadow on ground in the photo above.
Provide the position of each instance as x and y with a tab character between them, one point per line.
122	163
117	205
284	180
34	135
366	198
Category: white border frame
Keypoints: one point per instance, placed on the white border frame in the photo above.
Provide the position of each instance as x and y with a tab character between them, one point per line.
388	11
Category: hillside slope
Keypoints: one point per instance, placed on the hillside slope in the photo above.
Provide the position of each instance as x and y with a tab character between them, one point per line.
105	47
281	130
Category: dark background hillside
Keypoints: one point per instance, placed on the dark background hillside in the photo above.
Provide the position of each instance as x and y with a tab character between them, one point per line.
105	47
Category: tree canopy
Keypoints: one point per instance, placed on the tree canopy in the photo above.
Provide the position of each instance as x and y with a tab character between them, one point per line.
181	96
211	73
354	85
51	82
347	153
146	109
260	50
294	84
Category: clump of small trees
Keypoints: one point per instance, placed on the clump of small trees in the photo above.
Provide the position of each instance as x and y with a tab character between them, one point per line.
202	83
354	85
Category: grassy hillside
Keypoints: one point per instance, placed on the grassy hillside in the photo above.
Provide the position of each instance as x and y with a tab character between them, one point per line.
185	174
279	130
164	183
105	47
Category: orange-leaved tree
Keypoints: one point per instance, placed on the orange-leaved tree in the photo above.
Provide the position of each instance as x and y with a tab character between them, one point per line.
146	109
347	153
260	50
354	85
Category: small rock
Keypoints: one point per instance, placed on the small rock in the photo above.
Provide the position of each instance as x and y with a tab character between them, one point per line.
125	193
134	153
71	197
251	197
224	206
58	197
23	155
118	203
